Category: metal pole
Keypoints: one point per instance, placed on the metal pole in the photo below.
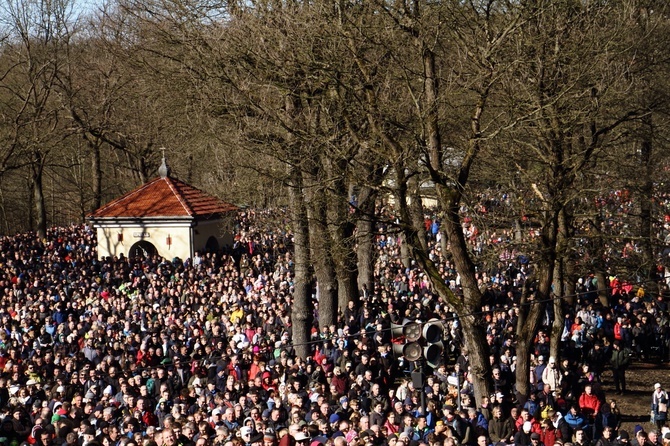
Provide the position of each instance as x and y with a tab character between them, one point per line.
459	390
423	390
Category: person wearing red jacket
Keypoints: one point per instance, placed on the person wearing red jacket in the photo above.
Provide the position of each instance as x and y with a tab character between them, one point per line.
617	329
549	434
588	402
526	416
340	381
148	418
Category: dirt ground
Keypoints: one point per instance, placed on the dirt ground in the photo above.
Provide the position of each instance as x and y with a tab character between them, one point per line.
635	404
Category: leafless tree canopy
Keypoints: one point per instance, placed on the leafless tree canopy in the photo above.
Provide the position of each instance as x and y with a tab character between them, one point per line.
519	118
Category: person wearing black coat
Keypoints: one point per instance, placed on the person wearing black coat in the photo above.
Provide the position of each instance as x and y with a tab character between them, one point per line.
500	429
560	424
623	439
619	361
607	437
522	438
596	359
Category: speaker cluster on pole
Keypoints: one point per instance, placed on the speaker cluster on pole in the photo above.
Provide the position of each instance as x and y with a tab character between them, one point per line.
415	340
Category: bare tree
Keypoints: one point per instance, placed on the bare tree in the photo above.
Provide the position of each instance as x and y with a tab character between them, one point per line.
566	107
38	36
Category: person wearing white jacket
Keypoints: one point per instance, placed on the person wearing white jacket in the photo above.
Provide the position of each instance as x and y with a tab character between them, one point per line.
552	374
659	406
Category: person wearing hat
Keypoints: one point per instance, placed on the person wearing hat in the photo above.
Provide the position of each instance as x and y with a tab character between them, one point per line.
641	437
539	370
88	435
256	439
333	419
246	432
552	374
623	439
301	438
659	406
19	425
522	437
344	406
392	440
535	439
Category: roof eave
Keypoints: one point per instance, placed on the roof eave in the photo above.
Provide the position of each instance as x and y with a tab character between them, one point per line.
213	215
139	220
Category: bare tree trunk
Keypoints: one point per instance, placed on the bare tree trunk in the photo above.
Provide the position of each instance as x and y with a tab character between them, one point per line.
534	305
556	329
345	268
416	208
603	292
560	282
365	233
320	249
526	334
600	267
474	334
96	172
570	279
444	244
518	230
559	316
31	204
342	230
450	199
302	308
646	198
38	195
405	255
143	169
473	330
3	209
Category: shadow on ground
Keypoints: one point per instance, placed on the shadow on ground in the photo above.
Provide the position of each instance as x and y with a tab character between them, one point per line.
635	404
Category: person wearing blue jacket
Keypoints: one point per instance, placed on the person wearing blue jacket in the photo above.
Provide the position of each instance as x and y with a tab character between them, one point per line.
574	418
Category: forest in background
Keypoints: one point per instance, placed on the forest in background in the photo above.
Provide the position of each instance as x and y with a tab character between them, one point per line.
543	124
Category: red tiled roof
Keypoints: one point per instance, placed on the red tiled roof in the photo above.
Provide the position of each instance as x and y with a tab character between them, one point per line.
164	197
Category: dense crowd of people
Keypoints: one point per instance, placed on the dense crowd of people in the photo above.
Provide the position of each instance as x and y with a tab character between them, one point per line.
184	352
